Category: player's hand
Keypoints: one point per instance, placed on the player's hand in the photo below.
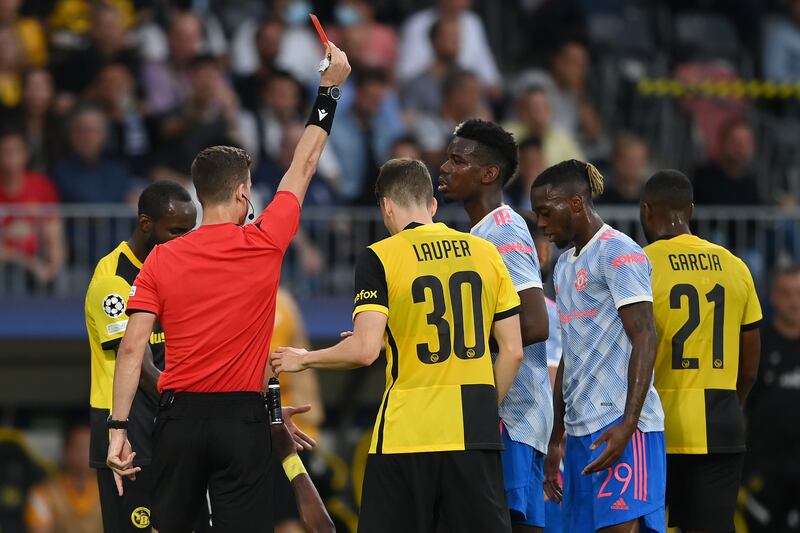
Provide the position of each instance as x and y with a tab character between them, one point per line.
339	67
287	360
301	440
120	458
283	444
552	473
616	439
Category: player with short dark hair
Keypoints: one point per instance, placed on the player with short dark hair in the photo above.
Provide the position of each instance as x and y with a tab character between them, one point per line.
434	296
707	316
165	211
481	159
614	462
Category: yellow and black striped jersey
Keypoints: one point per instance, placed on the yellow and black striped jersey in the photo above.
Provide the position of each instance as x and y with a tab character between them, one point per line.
703	297
441	291
105	306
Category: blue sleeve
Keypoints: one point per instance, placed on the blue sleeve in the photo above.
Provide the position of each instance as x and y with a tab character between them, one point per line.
518	251
627	271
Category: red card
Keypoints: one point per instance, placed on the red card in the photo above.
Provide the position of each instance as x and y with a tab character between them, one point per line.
320	31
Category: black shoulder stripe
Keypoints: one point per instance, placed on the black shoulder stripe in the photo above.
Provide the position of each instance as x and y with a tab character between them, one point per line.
126	270
751	326
113	344
505	314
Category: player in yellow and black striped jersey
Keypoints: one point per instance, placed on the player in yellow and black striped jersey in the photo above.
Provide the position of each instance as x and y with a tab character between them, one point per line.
165	212
435	295
707	315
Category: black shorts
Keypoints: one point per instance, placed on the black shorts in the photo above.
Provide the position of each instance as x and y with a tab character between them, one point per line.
702	490
434	492
213	449
131	511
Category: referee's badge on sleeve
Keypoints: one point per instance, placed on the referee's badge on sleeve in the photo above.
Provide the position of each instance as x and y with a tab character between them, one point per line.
133	291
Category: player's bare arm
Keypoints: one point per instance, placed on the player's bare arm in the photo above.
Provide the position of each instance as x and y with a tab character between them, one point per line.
533	320
126	380
309	148
509	356
359	349
552	462
749	357
640	327
313	514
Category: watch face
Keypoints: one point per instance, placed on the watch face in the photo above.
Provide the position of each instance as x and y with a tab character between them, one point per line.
335	93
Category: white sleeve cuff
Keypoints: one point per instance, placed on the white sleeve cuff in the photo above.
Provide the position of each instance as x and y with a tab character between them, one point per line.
528	285
633	300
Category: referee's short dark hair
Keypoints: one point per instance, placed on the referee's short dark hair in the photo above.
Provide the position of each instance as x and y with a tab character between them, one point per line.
496	146
406	181
155	199
217	171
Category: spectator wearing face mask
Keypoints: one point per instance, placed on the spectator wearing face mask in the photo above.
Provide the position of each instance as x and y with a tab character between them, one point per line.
366	42
299	48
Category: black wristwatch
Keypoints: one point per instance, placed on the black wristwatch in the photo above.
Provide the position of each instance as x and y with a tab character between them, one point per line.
116	424
334	91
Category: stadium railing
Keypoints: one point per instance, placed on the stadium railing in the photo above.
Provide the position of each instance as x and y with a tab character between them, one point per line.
763	237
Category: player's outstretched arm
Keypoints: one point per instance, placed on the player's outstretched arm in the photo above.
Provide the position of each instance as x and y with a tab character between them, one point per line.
640	327
359	349
749	358
309	148
509	356
313	514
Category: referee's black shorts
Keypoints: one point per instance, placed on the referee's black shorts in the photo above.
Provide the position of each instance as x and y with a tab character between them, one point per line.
702	490
434	492
219	442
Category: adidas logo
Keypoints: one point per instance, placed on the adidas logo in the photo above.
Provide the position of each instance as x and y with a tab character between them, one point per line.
620	505
322	113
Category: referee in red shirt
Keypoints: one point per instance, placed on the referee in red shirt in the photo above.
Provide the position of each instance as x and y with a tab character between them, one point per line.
213	291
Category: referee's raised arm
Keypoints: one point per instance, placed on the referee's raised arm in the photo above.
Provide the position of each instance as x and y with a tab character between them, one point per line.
309	148
213	291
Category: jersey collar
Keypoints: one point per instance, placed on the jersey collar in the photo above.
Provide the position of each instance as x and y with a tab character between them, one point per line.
126	249
412	225
572	257
488	216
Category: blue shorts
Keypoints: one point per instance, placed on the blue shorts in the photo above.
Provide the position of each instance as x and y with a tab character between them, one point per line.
523	476
552	517
634	487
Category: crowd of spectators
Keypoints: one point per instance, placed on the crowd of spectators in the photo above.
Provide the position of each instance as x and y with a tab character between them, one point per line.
100	97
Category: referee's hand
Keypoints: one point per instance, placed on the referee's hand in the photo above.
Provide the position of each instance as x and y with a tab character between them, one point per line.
339	67
120	458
